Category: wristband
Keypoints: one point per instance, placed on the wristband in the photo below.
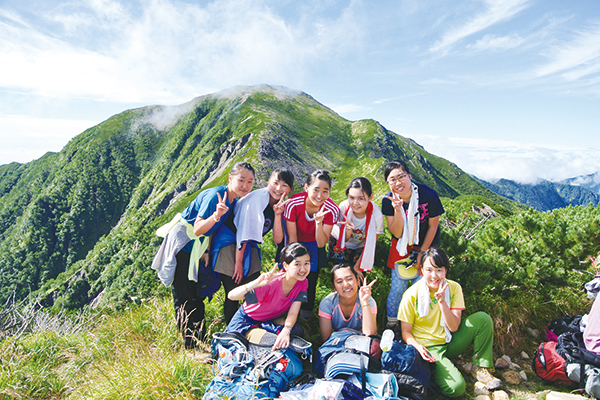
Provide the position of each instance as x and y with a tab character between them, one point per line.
290	329
215	218
366	305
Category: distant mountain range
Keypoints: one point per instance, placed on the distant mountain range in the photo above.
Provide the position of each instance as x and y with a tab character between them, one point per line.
546	195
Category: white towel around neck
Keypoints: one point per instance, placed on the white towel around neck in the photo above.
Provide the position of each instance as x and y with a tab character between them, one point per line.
368	255
410	233
423	301
249	218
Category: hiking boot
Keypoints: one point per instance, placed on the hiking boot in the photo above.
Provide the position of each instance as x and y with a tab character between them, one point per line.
484	375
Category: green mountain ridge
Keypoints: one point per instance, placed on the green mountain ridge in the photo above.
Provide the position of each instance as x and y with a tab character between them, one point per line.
78	225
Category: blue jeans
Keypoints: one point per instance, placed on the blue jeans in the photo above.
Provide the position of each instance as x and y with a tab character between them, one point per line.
242	323
397	289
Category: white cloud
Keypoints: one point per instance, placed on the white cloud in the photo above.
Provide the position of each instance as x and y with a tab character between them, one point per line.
166	51
577	58
491	160
348	108
25	138
492	42
495	11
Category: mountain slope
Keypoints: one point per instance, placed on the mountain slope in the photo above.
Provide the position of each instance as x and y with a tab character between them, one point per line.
544	196
80	223
590	182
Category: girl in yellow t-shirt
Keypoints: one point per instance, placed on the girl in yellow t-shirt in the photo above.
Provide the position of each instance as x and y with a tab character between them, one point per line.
430	313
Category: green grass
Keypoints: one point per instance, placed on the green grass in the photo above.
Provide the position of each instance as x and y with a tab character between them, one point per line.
137	353
133	354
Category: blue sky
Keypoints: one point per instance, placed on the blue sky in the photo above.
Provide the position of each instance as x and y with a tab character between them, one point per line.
505	89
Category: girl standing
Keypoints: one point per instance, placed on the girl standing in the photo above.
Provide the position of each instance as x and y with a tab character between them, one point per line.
354	239
348	306
253	217
413	214
185	246
310	217
273	294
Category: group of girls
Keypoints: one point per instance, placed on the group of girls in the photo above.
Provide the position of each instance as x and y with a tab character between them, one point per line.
233	221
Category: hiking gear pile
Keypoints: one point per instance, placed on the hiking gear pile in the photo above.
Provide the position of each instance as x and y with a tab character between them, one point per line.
251	370
570	352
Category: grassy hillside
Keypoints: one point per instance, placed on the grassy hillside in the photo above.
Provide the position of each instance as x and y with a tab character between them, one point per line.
79	224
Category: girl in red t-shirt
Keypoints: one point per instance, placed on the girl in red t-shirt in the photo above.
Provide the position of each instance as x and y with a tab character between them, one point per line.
309	217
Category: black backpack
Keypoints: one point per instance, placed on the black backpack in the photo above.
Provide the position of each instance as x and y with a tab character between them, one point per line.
571	347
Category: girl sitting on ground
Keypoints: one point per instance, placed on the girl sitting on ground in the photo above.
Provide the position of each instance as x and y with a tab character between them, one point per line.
348	306
273	294
430	313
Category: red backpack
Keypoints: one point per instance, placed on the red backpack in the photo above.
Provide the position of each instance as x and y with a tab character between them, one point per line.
548	364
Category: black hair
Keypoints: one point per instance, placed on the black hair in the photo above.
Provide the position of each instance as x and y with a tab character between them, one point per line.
438	258
319	174
340	265
292	251
238	166
284	174
361	183
392	165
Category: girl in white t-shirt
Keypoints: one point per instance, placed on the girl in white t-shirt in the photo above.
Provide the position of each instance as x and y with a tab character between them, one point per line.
354	239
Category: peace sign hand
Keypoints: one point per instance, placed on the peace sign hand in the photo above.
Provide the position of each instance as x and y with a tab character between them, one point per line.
439	295
279	206
221	207
320	216
397	202
365	292
348	223
267	277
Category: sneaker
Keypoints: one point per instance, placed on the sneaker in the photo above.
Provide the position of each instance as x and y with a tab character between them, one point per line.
484	375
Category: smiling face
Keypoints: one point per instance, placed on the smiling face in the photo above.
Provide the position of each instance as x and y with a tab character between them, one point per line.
318	192
241	183
358	201
345	283
433	275
277	189
299	268
400	183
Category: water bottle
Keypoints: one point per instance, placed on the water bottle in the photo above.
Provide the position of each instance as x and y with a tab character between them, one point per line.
386	340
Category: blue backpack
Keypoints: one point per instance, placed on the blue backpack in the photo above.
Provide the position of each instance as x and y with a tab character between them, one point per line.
247	372
347	351
405	359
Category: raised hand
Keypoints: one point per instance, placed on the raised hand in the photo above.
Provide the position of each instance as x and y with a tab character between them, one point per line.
221	206
320	216
397	202
279	206
348	224
267	277
365	291
439	295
